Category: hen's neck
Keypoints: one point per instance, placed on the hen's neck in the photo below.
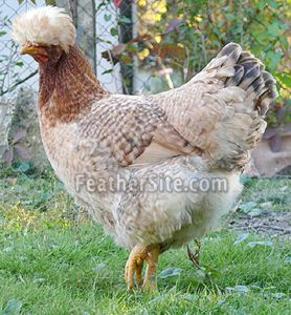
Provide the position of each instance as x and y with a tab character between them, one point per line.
68	88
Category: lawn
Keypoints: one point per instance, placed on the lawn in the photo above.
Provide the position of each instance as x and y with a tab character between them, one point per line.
55	261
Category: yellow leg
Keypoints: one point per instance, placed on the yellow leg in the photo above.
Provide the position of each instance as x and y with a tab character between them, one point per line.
134	265
138	273
150	281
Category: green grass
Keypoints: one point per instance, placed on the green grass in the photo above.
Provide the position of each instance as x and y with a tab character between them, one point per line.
51	263
274	194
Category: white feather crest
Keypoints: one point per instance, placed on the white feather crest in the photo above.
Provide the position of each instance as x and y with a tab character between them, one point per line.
46	25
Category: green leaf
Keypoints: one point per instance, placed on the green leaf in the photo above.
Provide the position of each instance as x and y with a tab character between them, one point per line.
2	33
170	272
24	167
279	295
100	268
241	238
107	71
261	5
50	2
19	64
124	20
260	243
272	4
248	206
255	212
274	29
238	289
107	17
102	4
284	42
114	31
13	307
274	59
284	79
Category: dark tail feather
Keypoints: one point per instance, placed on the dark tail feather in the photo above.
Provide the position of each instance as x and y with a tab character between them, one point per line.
250	76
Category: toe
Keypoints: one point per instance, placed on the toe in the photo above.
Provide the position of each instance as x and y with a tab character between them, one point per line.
139	266
130	271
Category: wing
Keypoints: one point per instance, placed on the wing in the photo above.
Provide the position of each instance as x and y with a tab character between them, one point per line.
221	110
128	125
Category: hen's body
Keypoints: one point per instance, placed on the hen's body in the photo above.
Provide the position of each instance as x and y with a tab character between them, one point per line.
118	138
140	164
140	215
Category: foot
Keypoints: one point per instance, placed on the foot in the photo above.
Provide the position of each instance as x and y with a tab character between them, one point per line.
195	257
134	266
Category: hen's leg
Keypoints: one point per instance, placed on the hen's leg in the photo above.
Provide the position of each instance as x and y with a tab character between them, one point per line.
134	265
150	281
195	257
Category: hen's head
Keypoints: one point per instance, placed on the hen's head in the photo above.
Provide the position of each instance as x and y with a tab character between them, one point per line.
44	33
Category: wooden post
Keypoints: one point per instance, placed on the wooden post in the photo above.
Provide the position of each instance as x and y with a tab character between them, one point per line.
83	13
125	35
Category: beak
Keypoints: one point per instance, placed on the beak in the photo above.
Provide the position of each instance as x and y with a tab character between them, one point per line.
33	50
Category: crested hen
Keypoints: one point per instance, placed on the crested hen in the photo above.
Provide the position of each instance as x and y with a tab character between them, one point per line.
144	166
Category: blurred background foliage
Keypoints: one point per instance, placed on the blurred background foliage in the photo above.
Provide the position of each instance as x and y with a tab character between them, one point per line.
186	34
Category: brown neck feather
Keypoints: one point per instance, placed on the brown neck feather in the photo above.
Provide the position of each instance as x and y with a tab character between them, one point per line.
68	88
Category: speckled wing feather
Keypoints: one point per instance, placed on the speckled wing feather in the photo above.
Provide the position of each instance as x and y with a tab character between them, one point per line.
221	110
128	125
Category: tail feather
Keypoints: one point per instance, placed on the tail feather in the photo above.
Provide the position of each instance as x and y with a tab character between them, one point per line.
241	130
238	92
250	75
232	51
236	79
248	57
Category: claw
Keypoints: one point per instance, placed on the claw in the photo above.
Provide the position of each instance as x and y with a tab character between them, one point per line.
134	266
